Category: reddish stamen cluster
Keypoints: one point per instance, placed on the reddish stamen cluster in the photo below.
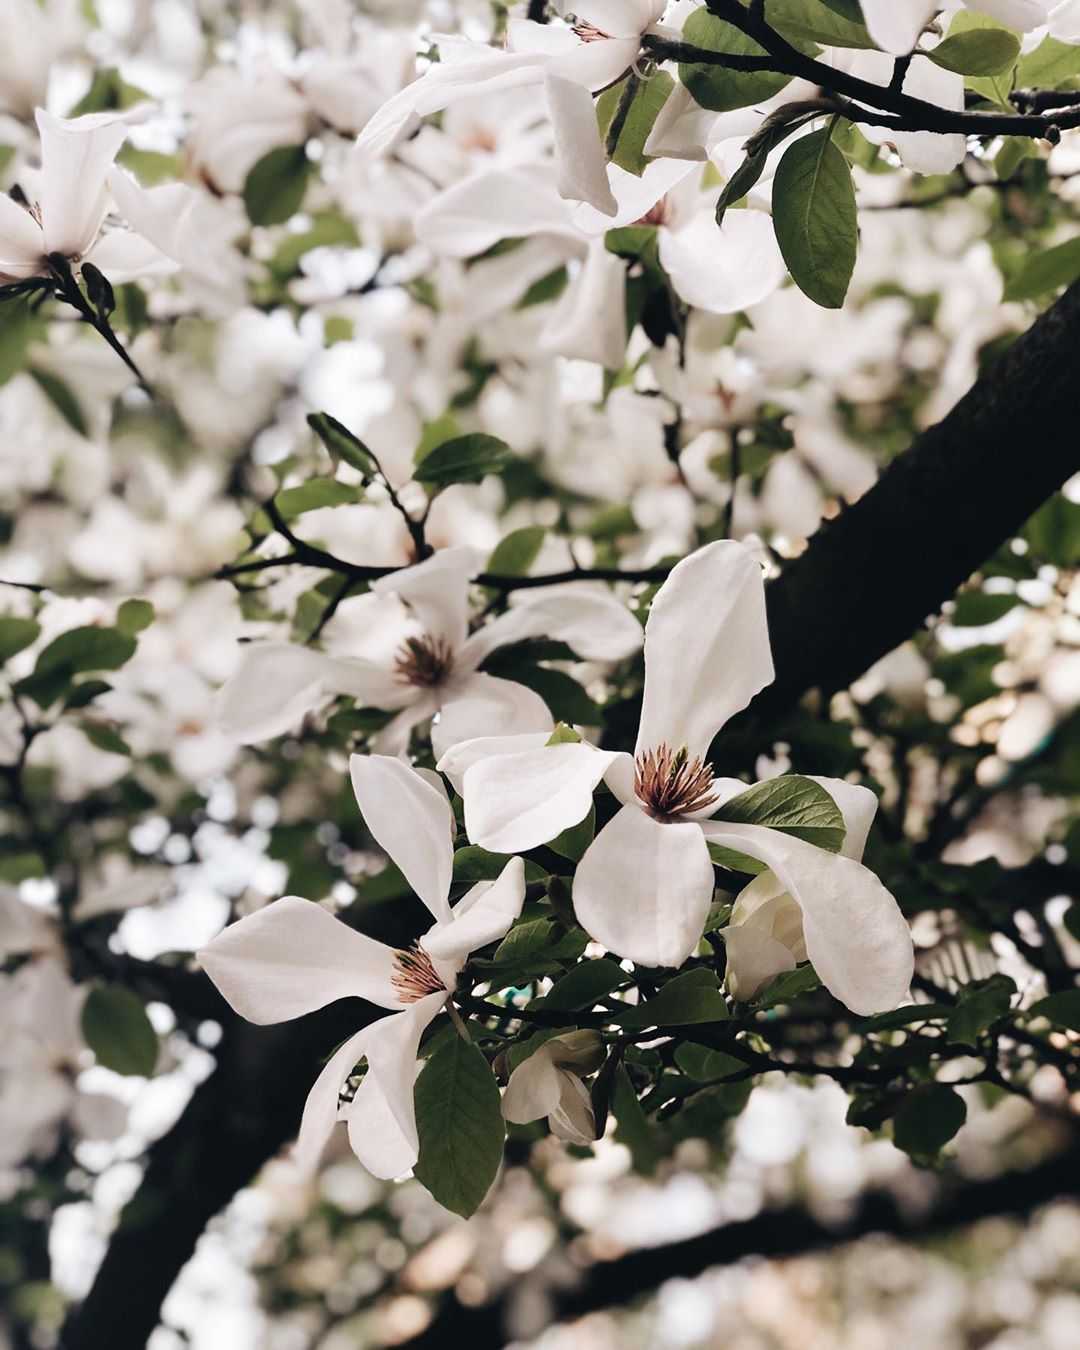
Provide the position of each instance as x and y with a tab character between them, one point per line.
424	661
414	975
588	32
670	784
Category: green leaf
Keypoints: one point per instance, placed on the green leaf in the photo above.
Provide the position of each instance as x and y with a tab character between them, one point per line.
115	1026
62	399
274	188
313	495
134	615
581	987
928	1118
465	459
793	804
1050	65
573	842
905	1017
979	1007
629	151
16	867
809	21
1062	1009
690	998
980	51
77	650
815	218
514	555
788	986
524	942
472	864
342	444
975	609
460	1124
15	634
1045	271
1053	532
718	89
19	326
632	1127
108	92
104	737
703	1065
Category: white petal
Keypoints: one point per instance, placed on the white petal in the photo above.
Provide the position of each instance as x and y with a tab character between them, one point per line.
533	1090
620	18
572	1120
707	649
276	683
856	937
294	957
122	256
1065	21
753	959
321	1108
1022	14
476	213
579	152
895	25
723	270
858	805
382	1115
588	321
483	705
643	888
635	196
411	821
457	761
22	245
76	155
596	625
515	802
437	592
484	914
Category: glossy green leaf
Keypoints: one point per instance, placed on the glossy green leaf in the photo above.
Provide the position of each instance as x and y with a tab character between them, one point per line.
815	218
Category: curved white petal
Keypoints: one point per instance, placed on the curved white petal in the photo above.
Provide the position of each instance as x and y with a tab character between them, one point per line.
321	1108
517	801
294	957
588	321
1022	14
22	245
643	888
533	1090
437	592
579	153
484	705
484	914
856	936
513	203
411	821
895	25
858	805
382	1116
754	957
634	196
596	625
707	649
76	154
620	18
276	683
572	1119
457	761
723	270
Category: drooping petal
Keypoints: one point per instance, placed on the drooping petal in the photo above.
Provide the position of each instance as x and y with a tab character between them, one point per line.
573	1120
921	151
754	958
123	255
382	1117
294	957
513	203
457	761
635	196
643	888
593	623
533	1089
895	25
707	649
858	805
437	592
76	155
723	271
588	321
484	914
579	152
484	705
856	936
518	801
22	245
321	1108
1022	14
276	683
411	821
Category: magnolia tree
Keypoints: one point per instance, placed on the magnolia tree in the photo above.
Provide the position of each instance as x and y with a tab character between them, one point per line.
540	600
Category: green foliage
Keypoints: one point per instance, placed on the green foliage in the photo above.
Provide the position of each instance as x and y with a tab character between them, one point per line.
73	653
514	555
815	218
689	998
928	1117
342	444
980	51
792	804
462	459
714	87
115	1026
275	187
649	98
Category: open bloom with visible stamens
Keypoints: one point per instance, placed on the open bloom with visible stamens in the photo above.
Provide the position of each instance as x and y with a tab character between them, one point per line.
434	668
293	957
644	886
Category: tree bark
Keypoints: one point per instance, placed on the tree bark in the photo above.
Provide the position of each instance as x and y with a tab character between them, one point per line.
865	583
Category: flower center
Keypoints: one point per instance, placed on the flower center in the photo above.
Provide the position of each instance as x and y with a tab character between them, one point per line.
670	784
588	32
414	975
424	661
656	215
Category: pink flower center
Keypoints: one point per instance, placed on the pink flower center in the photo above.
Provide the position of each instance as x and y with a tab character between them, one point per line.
669	784
414	975
588	32
423	661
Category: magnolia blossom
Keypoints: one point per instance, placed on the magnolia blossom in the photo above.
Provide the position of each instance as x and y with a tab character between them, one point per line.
294	957
644	886
571	63
72	200
895	25
35	37
433	666
549	1084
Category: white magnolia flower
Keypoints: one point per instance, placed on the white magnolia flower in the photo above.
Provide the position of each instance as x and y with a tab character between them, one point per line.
895	25
549	1084
644	886
570	62
434	667
35	37
293	958
72	200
